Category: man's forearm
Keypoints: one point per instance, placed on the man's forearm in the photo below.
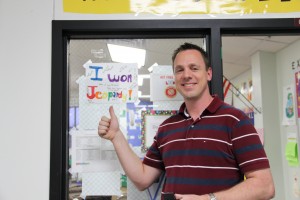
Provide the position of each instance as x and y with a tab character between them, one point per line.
259	187
131	163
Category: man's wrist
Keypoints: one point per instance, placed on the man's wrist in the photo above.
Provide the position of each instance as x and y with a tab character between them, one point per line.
118	134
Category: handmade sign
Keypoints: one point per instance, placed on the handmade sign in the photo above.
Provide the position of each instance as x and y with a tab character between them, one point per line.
111	82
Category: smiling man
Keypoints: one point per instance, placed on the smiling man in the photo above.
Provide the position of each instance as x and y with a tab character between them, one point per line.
205	150
192	74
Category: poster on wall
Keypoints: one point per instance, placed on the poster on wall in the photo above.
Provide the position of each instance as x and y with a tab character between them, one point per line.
134	118
162	88
111	82
246	89
297	84
289	116
151	120
291	150
175	7
101	87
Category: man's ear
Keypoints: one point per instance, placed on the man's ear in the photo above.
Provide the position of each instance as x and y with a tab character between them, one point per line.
209	74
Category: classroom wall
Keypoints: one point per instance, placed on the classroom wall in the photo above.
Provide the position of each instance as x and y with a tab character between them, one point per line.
25	75
285	77
265	75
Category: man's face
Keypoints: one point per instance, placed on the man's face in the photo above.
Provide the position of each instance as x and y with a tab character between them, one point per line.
191	76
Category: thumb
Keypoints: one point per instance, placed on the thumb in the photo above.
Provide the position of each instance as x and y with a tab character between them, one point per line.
112	113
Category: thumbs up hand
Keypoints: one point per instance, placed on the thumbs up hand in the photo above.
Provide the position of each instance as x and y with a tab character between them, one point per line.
108	127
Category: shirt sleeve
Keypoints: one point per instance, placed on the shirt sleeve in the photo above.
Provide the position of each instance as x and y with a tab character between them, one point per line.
248	149
153	156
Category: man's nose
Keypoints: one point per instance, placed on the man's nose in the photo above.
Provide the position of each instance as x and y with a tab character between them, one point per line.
187	73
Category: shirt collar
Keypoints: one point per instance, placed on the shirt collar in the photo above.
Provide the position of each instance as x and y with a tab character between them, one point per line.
211	108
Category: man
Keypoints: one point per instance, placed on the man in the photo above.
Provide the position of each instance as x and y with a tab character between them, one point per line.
206	149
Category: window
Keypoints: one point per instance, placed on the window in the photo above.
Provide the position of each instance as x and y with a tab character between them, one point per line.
88	36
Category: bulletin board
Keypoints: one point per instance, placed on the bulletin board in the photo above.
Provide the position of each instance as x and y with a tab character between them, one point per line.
151	119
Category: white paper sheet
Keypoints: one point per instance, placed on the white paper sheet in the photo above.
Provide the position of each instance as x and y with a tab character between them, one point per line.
101	184
89	153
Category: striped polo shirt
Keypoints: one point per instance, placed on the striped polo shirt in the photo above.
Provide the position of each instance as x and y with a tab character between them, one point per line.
208	154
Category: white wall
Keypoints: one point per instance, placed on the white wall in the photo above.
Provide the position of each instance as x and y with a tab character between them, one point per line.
25	77
285	77
265	76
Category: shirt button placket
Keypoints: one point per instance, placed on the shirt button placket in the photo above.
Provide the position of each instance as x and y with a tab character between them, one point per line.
190	126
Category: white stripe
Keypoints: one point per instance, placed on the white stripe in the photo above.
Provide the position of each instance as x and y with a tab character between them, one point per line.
179	140
153	159
251	134
212	140
264	158
206	167
173	123
171	142
225	115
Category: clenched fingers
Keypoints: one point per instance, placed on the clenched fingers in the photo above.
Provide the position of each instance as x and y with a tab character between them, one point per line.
103	126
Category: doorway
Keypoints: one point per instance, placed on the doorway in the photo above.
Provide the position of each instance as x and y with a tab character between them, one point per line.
255	81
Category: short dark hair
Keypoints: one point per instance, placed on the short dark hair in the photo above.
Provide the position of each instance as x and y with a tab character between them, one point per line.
190	46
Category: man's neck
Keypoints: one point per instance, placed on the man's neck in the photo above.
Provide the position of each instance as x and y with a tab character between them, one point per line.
196	107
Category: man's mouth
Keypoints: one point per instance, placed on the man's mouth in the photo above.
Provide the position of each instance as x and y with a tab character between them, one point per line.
188	84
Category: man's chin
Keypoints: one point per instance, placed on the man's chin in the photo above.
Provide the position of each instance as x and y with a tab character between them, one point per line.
189	97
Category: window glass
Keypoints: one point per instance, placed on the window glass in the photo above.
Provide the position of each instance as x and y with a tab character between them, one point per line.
140	87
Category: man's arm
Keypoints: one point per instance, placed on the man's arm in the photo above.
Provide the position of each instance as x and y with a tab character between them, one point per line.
258	185
141	175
